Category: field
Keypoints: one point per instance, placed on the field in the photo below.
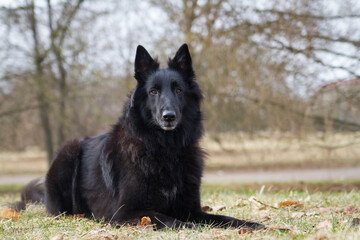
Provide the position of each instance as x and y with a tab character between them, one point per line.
305	214
236	152
328	210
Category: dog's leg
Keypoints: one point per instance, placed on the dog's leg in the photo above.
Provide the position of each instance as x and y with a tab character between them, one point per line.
60	177
223	221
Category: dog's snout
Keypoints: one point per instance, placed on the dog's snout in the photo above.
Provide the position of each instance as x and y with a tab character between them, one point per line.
169	116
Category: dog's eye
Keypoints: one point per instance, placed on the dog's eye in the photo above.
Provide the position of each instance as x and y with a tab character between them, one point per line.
154	92
178	91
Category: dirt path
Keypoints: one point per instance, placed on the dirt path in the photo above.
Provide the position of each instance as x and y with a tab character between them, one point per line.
285	175
247	177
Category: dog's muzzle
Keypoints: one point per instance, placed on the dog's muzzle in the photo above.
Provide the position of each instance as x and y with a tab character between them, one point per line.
168	120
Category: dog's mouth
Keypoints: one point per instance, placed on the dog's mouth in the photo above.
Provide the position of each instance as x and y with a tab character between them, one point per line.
168	126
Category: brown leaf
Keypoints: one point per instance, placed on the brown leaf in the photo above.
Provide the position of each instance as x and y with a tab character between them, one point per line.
145	221
352	209
57	237
265	219
283	230
245	231
206	209
9	213
322	238
263	208
106	225
355	222
290	203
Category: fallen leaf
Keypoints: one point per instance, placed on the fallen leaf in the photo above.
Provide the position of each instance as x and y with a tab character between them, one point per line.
322	238
265	219
351	209
219	208
9	213
206	209
106	225
111	237
283	230
290	203
355	222
245	231
145	221
57	237
263	208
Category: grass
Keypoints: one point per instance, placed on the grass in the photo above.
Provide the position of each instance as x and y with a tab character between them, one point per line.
324	215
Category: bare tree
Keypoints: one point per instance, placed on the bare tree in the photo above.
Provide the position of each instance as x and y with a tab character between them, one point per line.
30	19
259	66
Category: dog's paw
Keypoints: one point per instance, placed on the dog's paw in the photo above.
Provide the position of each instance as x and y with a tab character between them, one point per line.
255	226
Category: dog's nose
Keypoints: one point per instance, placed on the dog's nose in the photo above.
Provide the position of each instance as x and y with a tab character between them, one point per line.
169	116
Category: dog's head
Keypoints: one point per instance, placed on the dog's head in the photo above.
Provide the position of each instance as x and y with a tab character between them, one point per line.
164	91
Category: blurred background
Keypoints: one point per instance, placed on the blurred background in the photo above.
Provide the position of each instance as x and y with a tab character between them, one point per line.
281	78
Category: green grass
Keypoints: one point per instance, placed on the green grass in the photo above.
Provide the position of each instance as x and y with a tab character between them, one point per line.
324	215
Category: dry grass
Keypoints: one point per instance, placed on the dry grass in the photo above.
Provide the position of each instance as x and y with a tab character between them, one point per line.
321	215
236	152
31	161
230	151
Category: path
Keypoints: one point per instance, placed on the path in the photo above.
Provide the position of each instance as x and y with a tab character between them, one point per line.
249	176
285	175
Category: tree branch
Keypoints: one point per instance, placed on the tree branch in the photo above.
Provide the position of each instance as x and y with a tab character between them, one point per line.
306	15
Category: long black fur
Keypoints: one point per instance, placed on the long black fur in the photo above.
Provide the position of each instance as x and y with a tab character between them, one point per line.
149	164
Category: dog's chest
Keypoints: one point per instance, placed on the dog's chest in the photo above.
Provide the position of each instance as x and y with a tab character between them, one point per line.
169	194
163	178
164	189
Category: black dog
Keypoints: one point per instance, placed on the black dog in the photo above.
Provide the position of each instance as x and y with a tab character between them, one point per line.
149	164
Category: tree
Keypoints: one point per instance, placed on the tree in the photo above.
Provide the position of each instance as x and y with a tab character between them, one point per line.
41	74
259	65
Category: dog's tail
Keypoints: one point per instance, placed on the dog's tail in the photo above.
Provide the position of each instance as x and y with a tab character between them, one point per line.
33	192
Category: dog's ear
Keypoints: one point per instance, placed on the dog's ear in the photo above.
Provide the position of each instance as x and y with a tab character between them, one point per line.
144	64
182	62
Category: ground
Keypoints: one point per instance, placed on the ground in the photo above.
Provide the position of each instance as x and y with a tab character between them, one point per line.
299	211
294	210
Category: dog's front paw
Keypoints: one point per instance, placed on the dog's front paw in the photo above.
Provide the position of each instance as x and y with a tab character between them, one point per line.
255	226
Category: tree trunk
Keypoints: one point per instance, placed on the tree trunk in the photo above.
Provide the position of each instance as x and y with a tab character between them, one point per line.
42	91
44	110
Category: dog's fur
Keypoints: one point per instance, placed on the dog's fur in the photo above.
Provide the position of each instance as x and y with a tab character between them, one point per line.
149	164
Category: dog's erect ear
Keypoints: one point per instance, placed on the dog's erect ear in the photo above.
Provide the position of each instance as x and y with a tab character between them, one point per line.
144	64
182	62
